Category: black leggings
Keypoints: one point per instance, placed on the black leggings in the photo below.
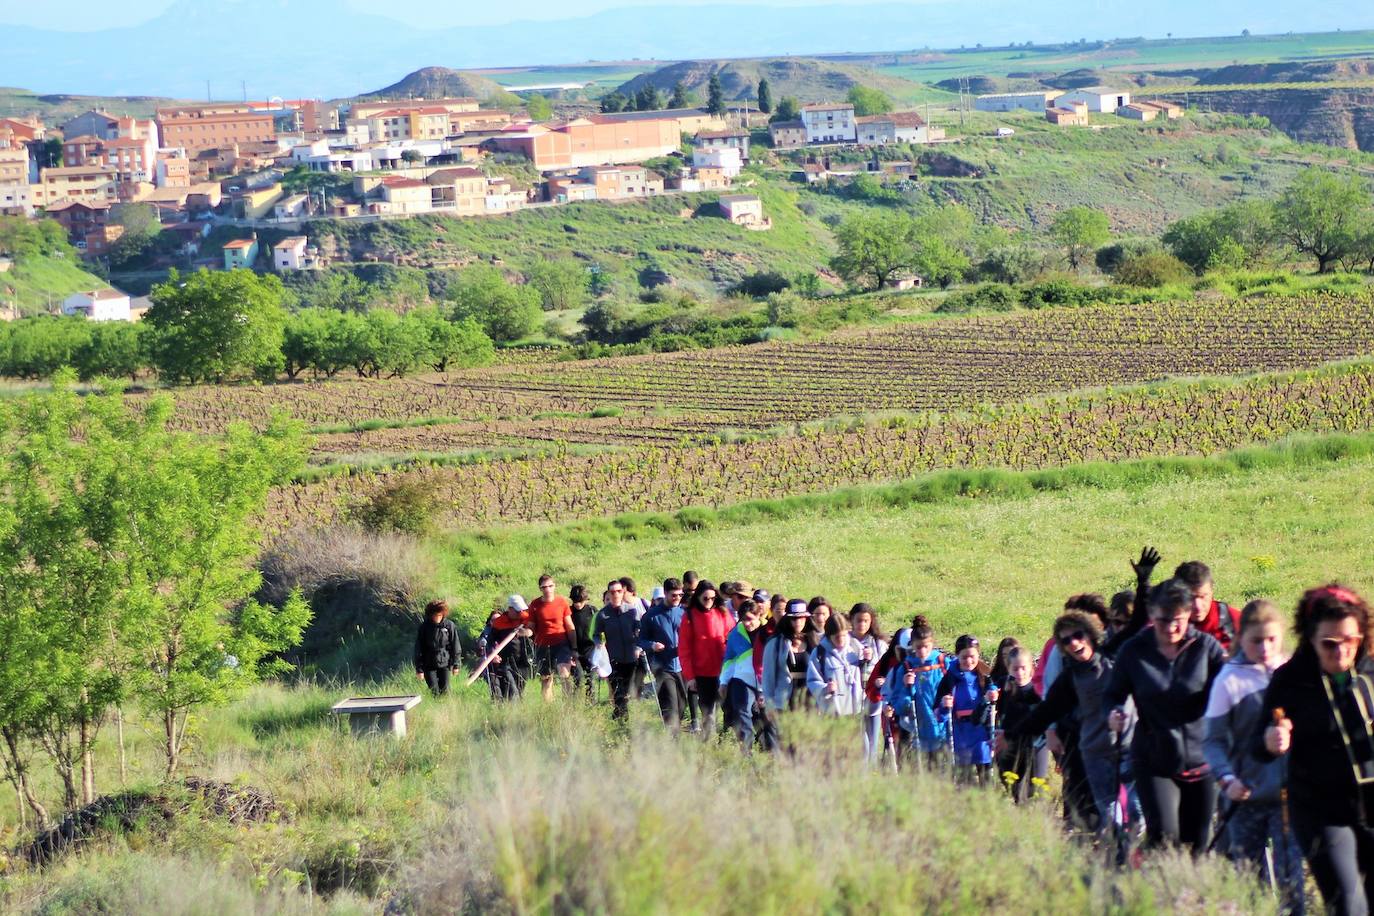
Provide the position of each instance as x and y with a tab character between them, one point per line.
436	679
1342	863
708	695
1177	811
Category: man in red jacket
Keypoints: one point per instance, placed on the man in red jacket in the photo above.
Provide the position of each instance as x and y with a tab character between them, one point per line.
1215	618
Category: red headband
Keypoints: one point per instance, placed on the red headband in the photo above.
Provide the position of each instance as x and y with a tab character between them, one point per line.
1343	595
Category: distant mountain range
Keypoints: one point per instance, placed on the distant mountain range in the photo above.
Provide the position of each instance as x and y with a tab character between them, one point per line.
294	48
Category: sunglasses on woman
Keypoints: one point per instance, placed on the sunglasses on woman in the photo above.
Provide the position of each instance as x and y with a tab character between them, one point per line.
1069	639
1336	643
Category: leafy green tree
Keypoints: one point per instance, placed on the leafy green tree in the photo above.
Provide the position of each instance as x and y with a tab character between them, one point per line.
216	326
715	95
505	311
304	338
1319	212
765	94
1080	230
60	574
189	507
22	238
679	99
789	109
113	349
450	344
412	157
613	102
399	348
141	229
538	107
35	348
873	246
1236	236
869	101
561	283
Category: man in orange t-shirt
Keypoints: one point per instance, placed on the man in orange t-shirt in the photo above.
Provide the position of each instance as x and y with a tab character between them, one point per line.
554	636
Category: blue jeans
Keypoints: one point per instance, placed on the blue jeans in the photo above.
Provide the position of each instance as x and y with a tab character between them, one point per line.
1103	783
1249	832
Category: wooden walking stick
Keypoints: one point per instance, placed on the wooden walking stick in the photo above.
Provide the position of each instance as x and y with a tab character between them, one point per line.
494	652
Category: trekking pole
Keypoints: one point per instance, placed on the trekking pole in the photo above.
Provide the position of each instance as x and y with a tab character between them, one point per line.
1118	813
487	661
953	759
1279	716
1222	823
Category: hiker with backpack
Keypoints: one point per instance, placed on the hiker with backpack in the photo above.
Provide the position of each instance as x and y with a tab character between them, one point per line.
1215	618
833	674
1168	670
784	661
1251	787
910	691
701	648
658	638
869	646
966	698
437	652
738	678
510	666
583	613
1079	693
1020	757
1320	704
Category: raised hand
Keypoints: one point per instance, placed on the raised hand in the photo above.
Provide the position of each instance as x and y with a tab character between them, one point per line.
1145	566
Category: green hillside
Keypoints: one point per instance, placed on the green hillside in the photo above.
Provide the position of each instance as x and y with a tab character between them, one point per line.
38	283
805	79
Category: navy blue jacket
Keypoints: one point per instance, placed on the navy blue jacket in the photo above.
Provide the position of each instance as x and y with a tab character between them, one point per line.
620	627
661	624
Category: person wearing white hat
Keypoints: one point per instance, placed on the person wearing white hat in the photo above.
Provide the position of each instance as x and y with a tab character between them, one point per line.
507	671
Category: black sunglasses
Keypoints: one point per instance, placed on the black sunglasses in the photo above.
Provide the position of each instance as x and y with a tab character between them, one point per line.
1071	638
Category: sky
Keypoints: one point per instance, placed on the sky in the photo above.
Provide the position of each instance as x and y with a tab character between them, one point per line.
90	15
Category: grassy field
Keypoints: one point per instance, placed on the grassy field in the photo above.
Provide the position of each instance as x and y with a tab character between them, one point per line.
544	806
39	283
1138	54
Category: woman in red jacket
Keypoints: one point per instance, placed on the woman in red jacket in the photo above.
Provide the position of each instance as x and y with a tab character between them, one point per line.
701	649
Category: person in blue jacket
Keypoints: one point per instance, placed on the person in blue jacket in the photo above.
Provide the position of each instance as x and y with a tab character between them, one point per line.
967	696
910	692
658	633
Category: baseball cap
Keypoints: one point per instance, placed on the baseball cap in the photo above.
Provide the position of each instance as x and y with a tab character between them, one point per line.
515	601
656	594
761	596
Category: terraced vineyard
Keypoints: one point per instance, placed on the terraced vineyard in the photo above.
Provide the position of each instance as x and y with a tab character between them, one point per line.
952	364
1175	419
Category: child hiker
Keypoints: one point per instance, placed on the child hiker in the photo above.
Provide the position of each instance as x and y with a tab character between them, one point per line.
966	697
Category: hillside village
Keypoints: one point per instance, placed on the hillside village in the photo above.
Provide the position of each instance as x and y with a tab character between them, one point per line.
267	164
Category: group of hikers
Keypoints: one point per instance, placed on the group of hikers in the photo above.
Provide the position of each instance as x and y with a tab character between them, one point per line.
1172	717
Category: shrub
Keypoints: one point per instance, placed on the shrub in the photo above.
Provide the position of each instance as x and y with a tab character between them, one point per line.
1109	258
1054	291
762	284
362	586
408	504
993	297
1152	270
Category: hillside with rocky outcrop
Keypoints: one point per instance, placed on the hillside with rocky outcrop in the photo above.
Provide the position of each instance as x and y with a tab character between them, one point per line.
802	78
